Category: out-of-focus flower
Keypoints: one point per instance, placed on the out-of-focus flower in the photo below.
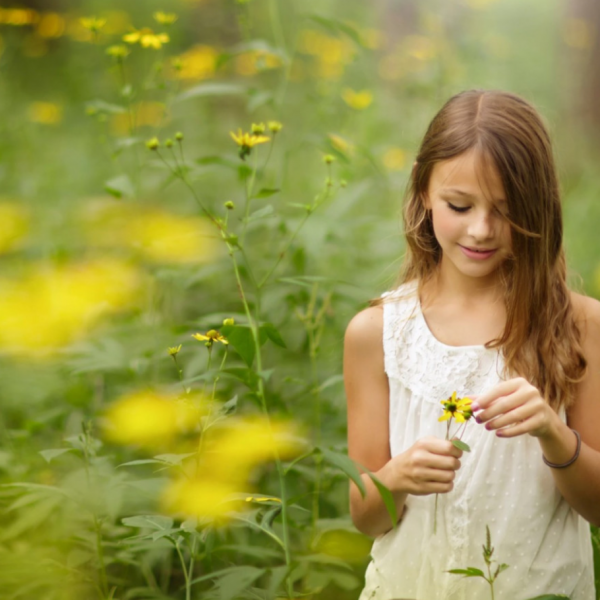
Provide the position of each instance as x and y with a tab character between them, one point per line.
394	159
18	16
117	51
210	337
257	128
93	24
152	233
46	113
578	33
201	497
51	306
51	25
274	127
199	62
341	144
146	114
165	18
420	47
174	350
247	141
328	159
229	205
331	54
372	38
148	418
357	100
228	322
15	225
153	143
254	61
146	38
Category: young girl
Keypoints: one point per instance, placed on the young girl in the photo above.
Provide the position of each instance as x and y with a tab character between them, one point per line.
483	310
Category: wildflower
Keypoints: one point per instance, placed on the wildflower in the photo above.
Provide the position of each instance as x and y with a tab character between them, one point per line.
211	336
199	62
357	100
93	24
274	127
147	38
394	159
228	322
247	141
153	144
46	113
174	351
118	51
258	128
457	408
165	18
148	418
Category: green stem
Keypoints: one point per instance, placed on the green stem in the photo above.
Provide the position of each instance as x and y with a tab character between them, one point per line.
188	583
249	187
184	567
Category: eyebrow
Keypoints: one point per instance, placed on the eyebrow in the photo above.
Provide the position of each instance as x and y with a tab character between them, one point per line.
465	194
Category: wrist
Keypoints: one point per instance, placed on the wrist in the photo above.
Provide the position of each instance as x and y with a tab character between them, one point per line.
560	443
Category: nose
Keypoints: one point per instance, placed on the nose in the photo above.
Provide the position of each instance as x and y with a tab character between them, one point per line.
481	226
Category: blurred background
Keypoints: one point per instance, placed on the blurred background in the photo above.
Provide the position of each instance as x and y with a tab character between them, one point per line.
130	222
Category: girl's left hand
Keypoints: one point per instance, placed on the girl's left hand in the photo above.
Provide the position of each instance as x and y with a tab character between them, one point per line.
513	408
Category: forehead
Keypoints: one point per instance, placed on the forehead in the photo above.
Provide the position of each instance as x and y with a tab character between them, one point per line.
467	174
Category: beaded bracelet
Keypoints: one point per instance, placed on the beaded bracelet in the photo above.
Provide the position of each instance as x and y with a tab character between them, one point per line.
569	462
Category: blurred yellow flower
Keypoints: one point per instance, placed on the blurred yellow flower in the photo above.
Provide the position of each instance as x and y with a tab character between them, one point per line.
117	51
15	225
420	47
251	62
18	16
149	418
578	33
201	497
47	113
174	350
228	322
211	336
51	25
155	234
357	100
332	54
146	38
341	144
50	306
145	114
274	127
394	159
199	62
93	24
165	18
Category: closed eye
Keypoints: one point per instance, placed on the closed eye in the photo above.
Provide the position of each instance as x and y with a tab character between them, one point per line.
459	209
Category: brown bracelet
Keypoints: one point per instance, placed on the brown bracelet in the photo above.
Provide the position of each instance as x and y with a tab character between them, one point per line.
569	462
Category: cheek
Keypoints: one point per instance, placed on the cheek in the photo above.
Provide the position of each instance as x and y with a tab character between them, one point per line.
444	225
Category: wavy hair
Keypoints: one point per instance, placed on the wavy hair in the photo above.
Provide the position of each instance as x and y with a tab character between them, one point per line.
541	340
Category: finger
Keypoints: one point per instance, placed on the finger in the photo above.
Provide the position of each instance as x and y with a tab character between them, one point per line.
446	463
501	406
502	389
445	448
512	417
518	429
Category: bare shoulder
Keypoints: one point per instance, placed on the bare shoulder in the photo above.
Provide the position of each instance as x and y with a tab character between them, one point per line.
587	316
366	327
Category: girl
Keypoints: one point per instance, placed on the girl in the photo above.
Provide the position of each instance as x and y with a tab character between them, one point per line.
483	310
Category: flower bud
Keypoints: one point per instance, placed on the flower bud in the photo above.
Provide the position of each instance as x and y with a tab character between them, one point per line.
179	136
168	143
258	128
274	126
228	322
153	144
229	205
328	159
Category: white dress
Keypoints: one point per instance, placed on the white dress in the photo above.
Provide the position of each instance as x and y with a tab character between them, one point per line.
502	483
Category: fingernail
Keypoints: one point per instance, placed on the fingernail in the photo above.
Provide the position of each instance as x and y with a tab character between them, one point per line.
475	406
478	419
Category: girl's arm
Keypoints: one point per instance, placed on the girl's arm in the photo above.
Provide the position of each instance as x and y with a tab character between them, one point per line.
427	467
518	406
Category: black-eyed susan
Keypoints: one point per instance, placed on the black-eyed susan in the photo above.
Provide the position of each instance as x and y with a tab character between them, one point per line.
146	38
210	337
247	141
457	408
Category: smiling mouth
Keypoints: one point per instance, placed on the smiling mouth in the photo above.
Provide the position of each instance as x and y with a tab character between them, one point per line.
482	250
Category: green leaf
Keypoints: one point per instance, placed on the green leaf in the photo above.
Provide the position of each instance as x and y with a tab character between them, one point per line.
120	186
105	107
461	445
345	464
50	454
468	572
273	334
335	26
211	89
235	582
550	597
386	496
265	193
157	522
261	213
241	338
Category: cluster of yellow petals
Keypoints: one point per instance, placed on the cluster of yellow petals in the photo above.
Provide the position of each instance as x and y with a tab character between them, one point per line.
248	140
210	337
457	408
357	100
146	38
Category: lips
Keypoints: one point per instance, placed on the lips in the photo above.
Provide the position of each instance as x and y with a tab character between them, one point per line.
478	253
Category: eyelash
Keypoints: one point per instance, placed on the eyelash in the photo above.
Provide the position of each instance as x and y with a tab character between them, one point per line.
458	209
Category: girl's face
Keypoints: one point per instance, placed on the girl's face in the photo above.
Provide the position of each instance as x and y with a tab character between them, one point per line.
469	221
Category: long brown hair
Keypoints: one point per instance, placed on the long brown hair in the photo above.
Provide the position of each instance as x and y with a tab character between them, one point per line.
541	340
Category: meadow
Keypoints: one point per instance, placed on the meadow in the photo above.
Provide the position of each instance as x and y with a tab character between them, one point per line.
196	197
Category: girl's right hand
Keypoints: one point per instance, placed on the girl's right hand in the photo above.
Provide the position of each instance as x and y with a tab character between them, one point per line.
427	467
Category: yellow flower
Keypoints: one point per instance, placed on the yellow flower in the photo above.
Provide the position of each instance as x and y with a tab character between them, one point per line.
149	418
357	100
118	51
395	159
274	127
93	24
247	141
199	62
165	18
457	408
46	113
211	336
15	224
147	38
258	128
174	350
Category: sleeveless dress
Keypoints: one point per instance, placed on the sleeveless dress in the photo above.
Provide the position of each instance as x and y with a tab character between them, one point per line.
502	483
